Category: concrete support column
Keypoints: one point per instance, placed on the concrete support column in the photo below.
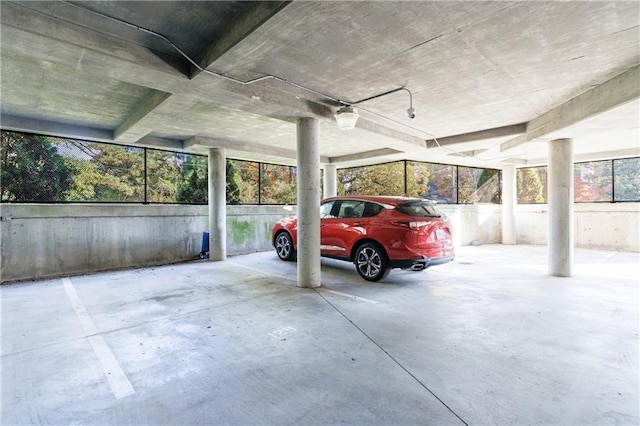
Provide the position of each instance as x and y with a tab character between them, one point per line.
217	204
330	179
560	198
308	202
509	201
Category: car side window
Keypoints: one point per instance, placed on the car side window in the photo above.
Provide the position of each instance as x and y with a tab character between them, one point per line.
371	209
325	210
351	209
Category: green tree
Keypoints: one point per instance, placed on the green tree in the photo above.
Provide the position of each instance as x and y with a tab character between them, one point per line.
194	184
194	187
106	172
163	176
379	179
278	184
418	176
627	179
234	192
488	186
530	185
593	181
249	173
32	169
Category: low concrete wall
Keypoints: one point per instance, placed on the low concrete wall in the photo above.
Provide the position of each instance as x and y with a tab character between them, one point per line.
474	223
40	240
603	226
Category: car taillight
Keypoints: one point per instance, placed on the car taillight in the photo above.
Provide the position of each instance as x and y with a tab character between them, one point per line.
411	224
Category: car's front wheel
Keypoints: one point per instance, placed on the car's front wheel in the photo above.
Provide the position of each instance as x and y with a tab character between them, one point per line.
284	246
371	262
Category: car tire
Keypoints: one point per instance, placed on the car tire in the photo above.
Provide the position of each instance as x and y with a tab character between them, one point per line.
284	247
371	262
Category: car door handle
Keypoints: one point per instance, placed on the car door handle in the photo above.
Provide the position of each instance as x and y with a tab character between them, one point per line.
357	224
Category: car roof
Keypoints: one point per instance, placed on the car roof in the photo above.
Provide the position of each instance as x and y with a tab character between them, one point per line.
381	199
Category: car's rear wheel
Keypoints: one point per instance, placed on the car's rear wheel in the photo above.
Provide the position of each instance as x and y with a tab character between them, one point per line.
284	246
371	262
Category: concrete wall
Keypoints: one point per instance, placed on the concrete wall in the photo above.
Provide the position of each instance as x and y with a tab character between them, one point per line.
40	240
603	226
474	222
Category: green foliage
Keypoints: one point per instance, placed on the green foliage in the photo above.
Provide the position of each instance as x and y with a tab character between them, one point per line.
627	179
431	181
32	169
530	185
234	193
248	176
380	179
164	172
478	185
418	176
193	187
47	169
593	181
278	184
106	172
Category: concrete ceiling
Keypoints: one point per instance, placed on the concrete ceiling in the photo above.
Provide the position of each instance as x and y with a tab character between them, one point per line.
491	81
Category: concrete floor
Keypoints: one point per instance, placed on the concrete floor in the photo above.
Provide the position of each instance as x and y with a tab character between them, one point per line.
486	339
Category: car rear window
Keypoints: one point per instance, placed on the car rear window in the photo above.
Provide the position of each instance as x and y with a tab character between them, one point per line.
419	208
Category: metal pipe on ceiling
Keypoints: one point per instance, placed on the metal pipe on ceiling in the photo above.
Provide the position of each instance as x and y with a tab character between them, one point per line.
226	77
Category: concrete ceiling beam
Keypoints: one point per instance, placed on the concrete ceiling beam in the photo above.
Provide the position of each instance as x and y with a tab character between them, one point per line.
57	129
363	155
59	42
400	138
592	156
243	26
195	142
603	97
515	129
42	36
134	123
162	143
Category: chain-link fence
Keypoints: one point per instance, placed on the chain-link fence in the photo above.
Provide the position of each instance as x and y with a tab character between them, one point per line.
443	183
606	181
44	169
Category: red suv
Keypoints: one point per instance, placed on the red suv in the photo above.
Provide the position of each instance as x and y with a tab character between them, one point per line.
376	233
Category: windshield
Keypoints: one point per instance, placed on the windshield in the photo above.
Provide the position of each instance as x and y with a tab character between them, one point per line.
420	208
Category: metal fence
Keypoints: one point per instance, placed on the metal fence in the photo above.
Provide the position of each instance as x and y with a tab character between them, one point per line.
44	169
607	181
443	183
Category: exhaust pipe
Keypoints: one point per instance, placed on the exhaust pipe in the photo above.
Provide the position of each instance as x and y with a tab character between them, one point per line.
417	267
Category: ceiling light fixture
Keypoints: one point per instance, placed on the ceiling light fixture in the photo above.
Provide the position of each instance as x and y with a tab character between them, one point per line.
346	117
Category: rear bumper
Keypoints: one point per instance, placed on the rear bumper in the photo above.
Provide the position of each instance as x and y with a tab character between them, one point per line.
420	264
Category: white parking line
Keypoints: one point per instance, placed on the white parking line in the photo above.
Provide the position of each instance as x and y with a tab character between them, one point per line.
120	385
337	293
261	271
350	296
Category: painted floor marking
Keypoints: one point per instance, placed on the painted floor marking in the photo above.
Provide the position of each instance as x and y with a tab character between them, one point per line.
350	296
337	293
261	271
120	385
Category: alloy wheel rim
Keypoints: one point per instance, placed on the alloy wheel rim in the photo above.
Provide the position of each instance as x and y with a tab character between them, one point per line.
282	246
369	262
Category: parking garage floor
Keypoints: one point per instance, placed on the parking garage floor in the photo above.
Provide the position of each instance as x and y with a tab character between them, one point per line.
487	339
